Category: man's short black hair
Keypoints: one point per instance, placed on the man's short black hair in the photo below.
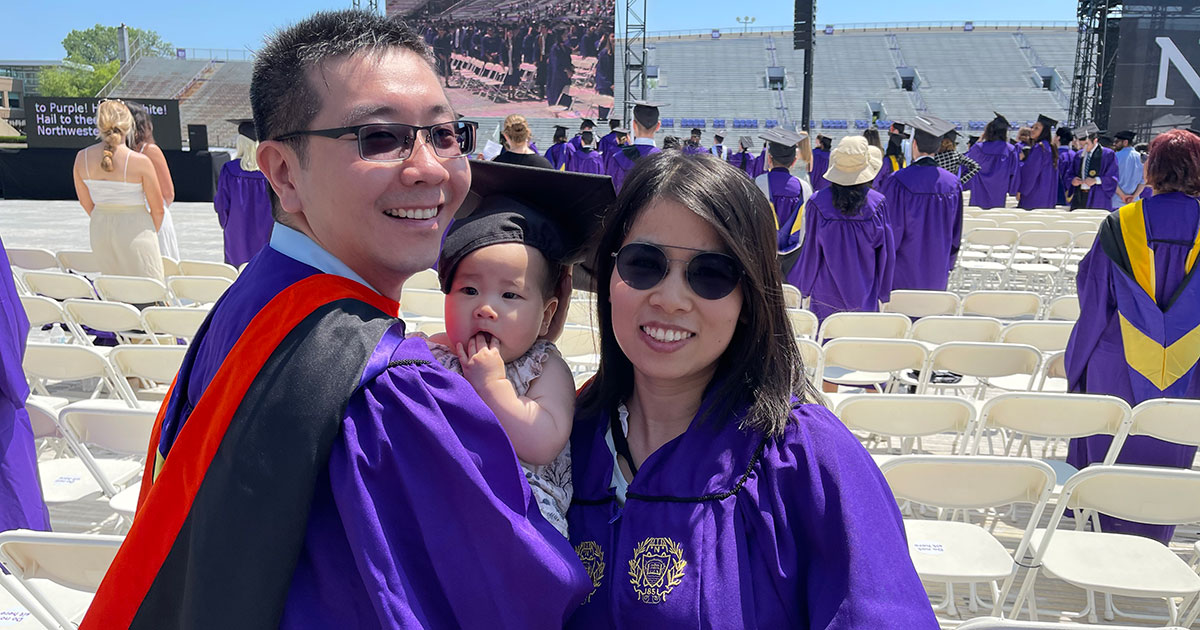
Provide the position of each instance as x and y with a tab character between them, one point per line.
281	96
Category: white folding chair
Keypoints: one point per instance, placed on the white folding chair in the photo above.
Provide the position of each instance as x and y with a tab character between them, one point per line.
119	318
205	268
996	623
197	290
58	572
60	362
908	417
813	357
59	285
426	280
121	432
804	323
170	267
1035	273
43	418
958	552
422	304
865	325
1120	564
864	362
792	298
32	258
1043	335
981	271
977	362
938	329
580	346
43	311
1051	417
1064	307
178	322
157	364
922	303
78	261
132	289
1003	304
1172	420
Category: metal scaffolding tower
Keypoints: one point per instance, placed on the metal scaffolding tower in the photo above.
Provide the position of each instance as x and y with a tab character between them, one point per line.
635	56
1098	20
372	6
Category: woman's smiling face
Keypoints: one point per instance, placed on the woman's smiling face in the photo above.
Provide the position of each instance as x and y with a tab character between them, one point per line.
667	331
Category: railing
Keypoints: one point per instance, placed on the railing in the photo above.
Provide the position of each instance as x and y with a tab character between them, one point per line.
215	54
877	26
135	53
1062	98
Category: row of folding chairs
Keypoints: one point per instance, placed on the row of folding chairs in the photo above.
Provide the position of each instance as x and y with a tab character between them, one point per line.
477	76
180	290
1045	261
154	324
84	262
1001	304
152	367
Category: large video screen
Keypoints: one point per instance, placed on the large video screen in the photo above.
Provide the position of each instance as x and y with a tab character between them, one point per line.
1156	85
538	58
70	123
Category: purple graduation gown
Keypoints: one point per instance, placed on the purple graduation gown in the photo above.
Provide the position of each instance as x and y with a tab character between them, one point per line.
1038	178
623	160
1066	158
576	142
846	262
558	154
607	145
1099	197
891	164
423	517
819	166
21	504
586	161
1096	354
760	164
243	205
724	528
924	208
998	164
744	161
786	194
696	150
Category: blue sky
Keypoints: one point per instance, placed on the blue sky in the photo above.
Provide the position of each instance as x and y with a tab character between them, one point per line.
36	33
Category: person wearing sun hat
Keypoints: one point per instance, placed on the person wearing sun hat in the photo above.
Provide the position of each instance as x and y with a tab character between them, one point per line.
925	206
849	252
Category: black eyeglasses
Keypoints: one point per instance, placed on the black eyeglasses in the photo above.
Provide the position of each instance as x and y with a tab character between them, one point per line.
711	275
394	142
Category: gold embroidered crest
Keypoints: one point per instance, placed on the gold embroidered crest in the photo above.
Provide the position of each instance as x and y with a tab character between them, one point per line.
592	557
656	568
1092	173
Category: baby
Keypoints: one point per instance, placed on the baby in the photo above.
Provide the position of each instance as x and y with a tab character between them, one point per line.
500	271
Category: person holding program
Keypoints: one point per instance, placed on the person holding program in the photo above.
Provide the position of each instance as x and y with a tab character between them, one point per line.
312	467
501	268
119	190
711	490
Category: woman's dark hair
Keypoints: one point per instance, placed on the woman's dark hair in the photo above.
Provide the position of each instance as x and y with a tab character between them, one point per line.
761	369
671	142
826	143
1173	164
1046	136
895	145
872	136
994	131
849	199
143	127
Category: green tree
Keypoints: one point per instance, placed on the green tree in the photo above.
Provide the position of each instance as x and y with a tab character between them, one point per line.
92	59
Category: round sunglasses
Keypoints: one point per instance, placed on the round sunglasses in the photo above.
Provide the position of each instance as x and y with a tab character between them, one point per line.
711	275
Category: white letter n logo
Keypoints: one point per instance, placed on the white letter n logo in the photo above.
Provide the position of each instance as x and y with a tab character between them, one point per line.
1172	55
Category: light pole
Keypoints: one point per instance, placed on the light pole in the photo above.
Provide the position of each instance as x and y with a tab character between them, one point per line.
745	22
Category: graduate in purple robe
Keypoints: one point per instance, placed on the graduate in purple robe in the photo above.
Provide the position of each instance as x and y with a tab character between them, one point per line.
820	163
760	163
893	154
1094	173
1038	178
743	160
718	148
561	150
584	125
1138	296
998	163
586	159
786	192
735	501
848	255
311	466
559	70
608	142
21	504
243	200
645	124
924	208
1066	159
692	145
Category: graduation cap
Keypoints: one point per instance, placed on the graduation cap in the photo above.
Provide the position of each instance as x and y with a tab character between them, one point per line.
556	212
897	129
1089	130
930	126
621	131
245	127
1000	120
696	132
781	143
746	142
718	137
586	123
1046	121
1125	135
560	131
971	140
613	123
646	113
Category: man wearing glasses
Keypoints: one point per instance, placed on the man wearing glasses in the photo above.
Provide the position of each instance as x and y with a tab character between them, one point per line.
311	468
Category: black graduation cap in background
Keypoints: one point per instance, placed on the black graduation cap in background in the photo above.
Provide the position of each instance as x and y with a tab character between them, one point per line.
897	129
1125	134
1046	120
586	123
560	131
646	112
556	212
245	127
621	131
1000	120
696	132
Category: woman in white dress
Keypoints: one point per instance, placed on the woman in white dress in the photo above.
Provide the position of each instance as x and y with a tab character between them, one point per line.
142	141
116	186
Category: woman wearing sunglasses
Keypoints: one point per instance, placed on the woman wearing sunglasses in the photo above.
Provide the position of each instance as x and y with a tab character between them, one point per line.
710	490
